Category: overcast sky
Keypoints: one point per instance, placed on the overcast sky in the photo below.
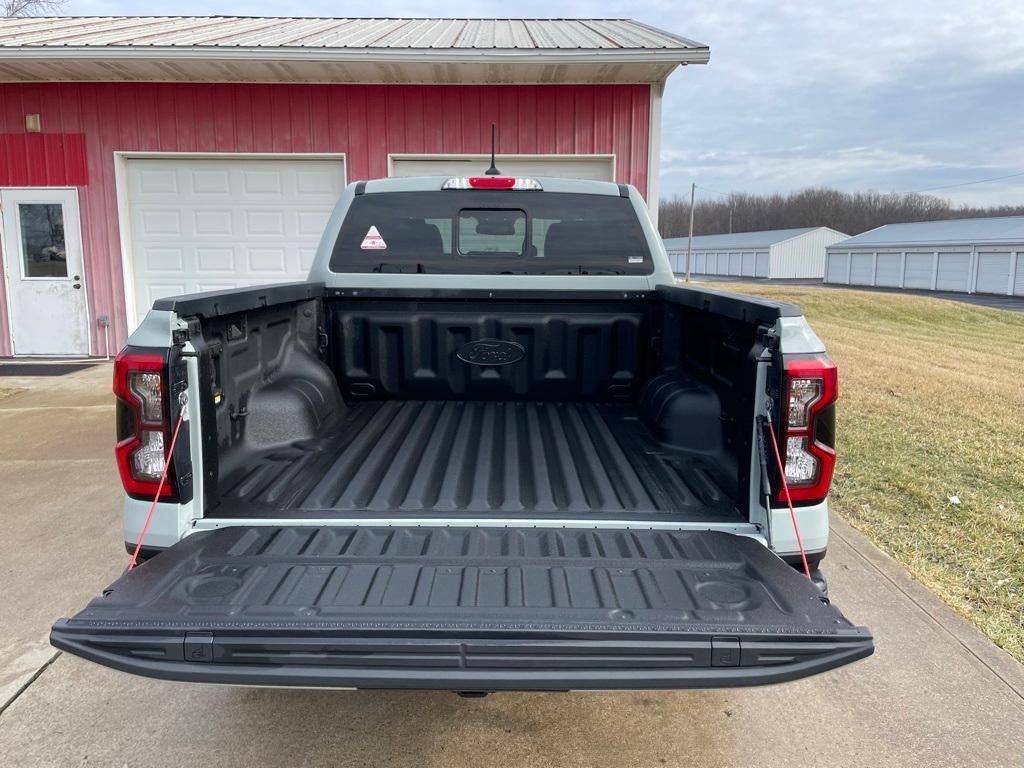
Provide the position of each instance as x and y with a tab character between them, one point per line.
891	95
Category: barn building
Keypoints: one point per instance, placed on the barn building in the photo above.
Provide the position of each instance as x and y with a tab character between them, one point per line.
776	253
142	157
963	255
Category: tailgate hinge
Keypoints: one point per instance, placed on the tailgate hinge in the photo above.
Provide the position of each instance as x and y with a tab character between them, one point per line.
181	335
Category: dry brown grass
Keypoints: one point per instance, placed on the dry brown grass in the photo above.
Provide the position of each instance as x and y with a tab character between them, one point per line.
932	406
7	392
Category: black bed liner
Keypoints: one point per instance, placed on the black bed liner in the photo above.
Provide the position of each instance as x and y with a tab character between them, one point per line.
465	609
469	459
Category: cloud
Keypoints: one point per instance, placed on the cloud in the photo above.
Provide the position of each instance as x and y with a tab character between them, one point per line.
890	96
879	94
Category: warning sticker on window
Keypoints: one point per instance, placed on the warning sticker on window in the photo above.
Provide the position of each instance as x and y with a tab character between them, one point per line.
636	259
373	241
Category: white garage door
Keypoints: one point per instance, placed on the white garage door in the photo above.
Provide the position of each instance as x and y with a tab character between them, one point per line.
210	224
836	266
861	268
574	167
954	272
993	272
918	271
887	269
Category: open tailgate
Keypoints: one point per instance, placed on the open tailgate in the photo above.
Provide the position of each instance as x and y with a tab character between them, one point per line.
464	609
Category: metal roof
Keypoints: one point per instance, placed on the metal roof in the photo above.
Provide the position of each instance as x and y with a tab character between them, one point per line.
328	50
338	33
762	239
991	231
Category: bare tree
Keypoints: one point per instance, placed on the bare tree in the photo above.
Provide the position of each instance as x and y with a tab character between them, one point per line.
849	212
11	8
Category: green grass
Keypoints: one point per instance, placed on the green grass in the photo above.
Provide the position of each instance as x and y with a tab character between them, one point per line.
931	406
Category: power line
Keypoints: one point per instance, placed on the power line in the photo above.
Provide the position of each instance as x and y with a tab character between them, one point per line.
968	183
708	189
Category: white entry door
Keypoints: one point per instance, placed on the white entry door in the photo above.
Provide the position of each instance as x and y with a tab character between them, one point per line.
42	249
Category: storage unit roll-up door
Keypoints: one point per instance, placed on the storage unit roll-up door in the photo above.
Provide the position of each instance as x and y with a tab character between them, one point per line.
993	272
887	272
200	224
918	271
954	272
1018	278
835	269
861	268
762	264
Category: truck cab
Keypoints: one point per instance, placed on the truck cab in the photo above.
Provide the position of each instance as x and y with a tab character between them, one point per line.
490	444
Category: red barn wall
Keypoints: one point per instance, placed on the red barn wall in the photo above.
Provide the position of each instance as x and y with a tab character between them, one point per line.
91	121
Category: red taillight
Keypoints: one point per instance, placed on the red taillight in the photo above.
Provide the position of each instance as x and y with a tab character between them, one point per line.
140	385
811	389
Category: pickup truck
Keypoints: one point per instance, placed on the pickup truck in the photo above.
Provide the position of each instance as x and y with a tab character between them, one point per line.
490	444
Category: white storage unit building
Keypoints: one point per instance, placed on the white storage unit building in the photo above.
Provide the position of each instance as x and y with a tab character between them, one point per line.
776	253
962	255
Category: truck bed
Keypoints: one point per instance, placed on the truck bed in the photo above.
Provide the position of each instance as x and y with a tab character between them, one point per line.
463	459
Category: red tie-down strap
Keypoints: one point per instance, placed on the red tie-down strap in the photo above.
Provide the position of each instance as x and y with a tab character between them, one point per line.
789	501
159	489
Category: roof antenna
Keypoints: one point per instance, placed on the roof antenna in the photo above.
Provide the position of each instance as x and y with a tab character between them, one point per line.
493	170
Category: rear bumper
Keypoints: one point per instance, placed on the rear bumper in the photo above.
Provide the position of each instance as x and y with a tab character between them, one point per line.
318	659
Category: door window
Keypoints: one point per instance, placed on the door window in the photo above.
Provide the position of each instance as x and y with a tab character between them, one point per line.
44	252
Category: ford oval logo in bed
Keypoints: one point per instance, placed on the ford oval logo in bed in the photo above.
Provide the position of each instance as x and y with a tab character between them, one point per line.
491	352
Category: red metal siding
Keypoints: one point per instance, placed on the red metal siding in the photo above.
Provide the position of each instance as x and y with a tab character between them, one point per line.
366	122
42	160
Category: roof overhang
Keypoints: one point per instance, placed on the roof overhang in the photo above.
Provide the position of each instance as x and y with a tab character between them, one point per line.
347	65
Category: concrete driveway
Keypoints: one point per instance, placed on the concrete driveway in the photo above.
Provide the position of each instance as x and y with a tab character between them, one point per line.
935	693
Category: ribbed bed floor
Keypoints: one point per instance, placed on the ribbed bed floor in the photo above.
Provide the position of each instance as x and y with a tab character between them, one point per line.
464	459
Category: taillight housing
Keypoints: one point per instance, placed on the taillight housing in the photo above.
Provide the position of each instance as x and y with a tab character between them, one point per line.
810	390
140	385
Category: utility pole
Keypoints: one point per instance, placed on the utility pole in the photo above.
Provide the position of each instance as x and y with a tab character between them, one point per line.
689	240
730	219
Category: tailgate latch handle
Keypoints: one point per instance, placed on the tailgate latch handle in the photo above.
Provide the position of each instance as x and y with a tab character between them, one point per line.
725	652
198	646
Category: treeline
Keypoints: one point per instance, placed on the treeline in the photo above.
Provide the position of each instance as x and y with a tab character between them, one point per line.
849	212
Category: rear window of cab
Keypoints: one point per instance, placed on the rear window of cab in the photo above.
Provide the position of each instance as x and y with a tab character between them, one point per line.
487	232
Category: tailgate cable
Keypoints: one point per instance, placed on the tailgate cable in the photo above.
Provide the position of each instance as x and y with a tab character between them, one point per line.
785	490
183	402
766	483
